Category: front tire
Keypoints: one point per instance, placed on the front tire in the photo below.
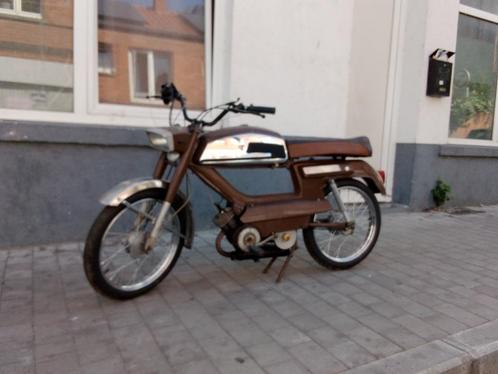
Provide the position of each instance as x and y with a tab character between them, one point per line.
336	249
115	261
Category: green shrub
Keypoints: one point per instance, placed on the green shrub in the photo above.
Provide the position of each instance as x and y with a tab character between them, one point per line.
441	193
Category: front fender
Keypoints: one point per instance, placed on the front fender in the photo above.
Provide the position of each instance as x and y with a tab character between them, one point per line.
124	190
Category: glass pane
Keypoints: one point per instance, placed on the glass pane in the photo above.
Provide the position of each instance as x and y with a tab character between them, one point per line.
486	5
474	80
161	70
32	6
6	4
141	75
173	30
36	60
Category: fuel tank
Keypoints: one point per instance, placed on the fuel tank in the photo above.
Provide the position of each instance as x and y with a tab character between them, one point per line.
242	145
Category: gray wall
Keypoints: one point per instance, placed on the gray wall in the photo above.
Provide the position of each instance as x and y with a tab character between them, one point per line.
471	171
52	177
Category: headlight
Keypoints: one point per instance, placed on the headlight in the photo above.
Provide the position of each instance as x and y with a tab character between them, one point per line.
161	139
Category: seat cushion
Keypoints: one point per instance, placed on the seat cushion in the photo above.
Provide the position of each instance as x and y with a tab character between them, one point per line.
354	147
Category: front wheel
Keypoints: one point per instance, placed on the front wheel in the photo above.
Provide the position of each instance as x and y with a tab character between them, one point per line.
345	248
115	260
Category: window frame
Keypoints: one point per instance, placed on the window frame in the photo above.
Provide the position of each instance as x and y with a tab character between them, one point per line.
17	10
106	71
489	17
86	107
150	75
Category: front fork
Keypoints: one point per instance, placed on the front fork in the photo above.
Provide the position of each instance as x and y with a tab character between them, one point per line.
176	179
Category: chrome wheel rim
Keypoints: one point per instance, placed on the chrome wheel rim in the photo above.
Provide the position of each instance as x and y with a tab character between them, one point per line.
123	262
348	245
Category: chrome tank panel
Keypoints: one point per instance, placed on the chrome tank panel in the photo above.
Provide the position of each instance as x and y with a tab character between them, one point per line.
245	148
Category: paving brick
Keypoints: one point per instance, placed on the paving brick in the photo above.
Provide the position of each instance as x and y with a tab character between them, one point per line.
289	336
419	327
316	359
287	367
372	342
435	357
237	362
63	363
464	316
267	354
196	367
109	365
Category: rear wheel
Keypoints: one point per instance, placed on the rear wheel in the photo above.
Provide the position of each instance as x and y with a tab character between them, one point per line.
115	259
346	248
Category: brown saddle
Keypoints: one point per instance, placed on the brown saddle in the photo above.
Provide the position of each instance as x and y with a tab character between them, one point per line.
354	147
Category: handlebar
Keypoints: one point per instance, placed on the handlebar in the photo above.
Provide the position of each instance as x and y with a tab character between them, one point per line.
261	109
169	93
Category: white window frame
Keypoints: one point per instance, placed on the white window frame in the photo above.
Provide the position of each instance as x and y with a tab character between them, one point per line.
87	109
17	11
489	17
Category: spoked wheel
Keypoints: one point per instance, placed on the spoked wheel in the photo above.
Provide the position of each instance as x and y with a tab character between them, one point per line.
346	248
116	260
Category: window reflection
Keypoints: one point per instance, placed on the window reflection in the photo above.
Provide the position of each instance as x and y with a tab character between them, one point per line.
36	55
152	41
474	80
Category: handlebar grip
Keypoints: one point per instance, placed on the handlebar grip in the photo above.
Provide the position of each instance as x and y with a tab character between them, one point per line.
261	109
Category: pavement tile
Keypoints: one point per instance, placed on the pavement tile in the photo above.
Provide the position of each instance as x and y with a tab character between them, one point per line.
237	362
110	365
267	354
63	363
419	327
289	336
196	367
372	342
316	359
287	367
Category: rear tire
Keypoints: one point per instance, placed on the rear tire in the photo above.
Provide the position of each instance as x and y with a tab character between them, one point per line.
321	253
110	215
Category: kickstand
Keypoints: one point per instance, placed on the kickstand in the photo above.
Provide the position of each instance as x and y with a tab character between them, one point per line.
267	267
284	266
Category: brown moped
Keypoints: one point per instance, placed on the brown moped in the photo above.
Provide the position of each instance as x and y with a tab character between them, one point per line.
137	238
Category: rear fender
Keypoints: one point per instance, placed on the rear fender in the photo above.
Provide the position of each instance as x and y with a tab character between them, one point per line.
119	193
348	169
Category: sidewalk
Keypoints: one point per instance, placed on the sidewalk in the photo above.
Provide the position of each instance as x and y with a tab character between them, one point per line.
426	298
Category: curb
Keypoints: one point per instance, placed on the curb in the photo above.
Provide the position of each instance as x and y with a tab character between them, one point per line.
472	351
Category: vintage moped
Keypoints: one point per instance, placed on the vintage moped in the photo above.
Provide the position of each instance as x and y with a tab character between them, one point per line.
137	238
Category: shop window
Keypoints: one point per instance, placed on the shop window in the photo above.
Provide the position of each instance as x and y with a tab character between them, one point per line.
475	78
28	8
146	36
36	57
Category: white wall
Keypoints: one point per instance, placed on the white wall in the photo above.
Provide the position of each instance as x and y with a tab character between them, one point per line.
430	24
292	54
369	72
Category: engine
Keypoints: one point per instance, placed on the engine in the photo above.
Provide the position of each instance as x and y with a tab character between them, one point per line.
243	237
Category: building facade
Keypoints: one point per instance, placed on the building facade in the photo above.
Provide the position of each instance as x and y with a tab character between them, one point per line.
77	77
